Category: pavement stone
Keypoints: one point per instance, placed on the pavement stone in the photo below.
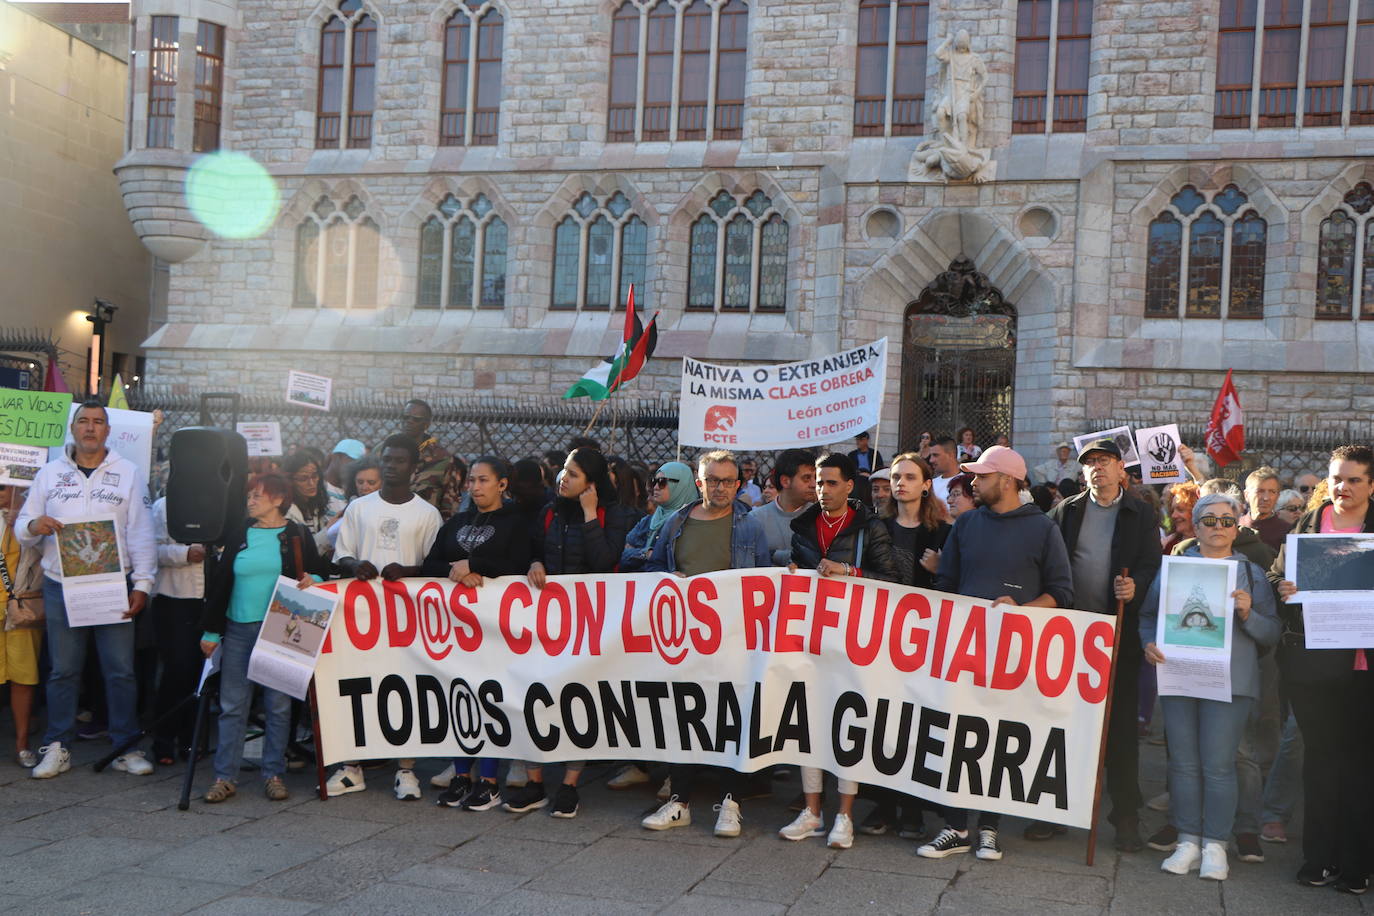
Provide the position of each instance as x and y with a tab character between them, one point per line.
308	828
630	870
768	869
701	904
837	891
467	882
961	902
510	855
527	902
132	891
348	870
1010	880
166	825
234	860
61	823
50	868
402	898
245	905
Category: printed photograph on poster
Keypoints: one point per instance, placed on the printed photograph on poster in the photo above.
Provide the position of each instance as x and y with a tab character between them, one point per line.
263	439
90	552
1195	627
1160	461
1329	565
1121	435
308	390
290	638
19	464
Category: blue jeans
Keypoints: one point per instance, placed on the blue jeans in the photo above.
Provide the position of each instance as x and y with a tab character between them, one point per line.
1285	777
235	698
114	642
1203	738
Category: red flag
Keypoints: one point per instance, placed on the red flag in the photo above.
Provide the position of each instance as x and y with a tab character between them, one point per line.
1226	428
54	381
644	348
631	320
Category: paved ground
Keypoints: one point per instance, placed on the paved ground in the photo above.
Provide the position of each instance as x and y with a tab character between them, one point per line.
110	843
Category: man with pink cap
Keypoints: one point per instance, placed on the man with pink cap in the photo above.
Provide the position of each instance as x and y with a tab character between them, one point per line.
1006	553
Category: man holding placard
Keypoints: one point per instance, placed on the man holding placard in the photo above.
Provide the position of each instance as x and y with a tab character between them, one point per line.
91	484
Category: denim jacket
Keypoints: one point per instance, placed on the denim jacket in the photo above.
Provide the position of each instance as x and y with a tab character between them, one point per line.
748	544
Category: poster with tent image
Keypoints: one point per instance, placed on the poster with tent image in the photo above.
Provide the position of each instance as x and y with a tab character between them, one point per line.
1196	603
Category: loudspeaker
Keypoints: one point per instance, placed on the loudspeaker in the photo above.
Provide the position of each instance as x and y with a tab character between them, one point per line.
205	490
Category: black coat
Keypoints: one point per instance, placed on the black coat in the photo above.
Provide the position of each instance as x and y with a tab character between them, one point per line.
221	581
926	539
567	545
875	460
505	551
873	557
1298	663
1135	545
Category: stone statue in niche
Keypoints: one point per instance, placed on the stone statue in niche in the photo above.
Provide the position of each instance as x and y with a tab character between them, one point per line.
952	147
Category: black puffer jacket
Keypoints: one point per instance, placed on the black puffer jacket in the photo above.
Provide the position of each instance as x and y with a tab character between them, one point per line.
567	545
221	582
863	543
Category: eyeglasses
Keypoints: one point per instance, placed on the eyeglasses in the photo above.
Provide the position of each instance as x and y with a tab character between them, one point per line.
305	478
1302	489
720	482
1212	521
1099	461
664	481
1291	509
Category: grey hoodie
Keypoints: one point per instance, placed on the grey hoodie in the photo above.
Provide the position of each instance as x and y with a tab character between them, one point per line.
1019	554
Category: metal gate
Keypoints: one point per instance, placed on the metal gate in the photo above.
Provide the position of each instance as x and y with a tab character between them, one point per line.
958	358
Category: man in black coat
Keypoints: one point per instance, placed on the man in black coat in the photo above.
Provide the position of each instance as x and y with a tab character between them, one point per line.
1106	529
839	536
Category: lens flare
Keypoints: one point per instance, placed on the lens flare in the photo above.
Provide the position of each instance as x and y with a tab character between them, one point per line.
232	195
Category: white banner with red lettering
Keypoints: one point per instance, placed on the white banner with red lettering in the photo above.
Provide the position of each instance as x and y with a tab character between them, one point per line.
934	695
789	405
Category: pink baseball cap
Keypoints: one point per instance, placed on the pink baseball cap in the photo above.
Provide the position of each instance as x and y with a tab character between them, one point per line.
998	459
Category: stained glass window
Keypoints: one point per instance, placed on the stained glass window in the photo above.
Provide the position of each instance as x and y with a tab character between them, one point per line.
1165	257
1335	266
1206	237
1248	241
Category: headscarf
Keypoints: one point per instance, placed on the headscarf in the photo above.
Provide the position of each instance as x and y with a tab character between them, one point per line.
682	491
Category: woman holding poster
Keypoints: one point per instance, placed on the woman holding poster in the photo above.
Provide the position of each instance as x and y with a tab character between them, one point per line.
1204	734
1332	693
240	589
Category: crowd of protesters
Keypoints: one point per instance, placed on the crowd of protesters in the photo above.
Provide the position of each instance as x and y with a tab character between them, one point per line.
1076	531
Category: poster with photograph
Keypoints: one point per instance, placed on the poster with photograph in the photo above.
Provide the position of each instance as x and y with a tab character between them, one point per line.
19	464
1160	461
1121	435
290	638
1330	566
306	390
264	439
90	551
1195	627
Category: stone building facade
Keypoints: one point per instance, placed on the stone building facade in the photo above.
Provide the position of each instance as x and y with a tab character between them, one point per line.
1059	250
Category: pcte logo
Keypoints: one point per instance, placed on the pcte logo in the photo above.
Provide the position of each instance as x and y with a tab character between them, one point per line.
720	424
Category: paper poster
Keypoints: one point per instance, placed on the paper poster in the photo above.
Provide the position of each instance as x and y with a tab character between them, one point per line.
791	405
290	638
264	439
308	390
1325	566
19	464
1160	461
1195	627
1120	434
1342	623
210	668
33	417
91	554
131	435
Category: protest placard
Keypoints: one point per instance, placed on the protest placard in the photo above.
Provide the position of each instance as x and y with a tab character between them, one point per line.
90	551
131	435
308	390
811	402
1194	630
264	439
942	696
33	417
1160	461
1329	566
290	638
1121	435
19	464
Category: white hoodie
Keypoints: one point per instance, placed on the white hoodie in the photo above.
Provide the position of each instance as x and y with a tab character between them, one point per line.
115	488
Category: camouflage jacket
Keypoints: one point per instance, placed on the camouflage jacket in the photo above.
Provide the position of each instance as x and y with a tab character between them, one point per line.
438	478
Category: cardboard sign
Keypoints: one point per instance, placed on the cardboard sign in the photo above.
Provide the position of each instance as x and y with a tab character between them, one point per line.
264	439
33	417
1160	461
1121	435
306	390
19	464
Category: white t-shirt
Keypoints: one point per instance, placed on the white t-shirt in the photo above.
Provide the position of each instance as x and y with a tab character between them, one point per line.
383	533
940	488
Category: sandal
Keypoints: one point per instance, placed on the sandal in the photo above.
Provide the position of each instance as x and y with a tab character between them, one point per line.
26	758
222	790
275	789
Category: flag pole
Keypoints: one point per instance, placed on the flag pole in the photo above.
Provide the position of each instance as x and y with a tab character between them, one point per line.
592	421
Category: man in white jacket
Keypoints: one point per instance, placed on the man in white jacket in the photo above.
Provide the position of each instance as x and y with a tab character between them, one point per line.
90	479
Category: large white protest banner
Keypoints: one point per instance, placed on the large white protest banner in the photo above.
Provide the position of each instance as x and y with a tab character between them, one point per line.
811	402
940	696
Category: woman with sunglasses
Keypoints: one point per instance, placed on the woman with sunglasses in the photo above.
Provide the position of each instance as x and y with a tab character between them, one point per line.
1204	735
673	487
1332	692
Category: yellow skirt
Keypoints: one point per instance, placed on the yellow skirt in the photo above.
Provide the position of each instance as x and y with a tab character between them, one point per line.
19	655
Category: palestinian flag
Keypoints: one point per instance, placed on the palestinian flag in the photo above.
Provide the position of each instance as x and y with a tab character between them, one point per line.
636	346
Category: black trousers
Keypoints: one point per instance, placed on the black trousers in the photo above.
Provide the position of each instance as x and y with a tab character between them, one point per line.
1123	744
684	777
177	622
1337	769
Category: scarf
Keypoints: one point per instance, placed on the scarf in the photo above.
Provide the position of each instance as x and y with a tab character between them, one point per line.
681	493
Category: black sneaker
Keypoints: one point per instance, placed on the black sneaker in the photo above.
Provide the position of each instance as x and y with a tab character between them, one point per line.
946	843
459	787
1354	886
526	798
989	847
1042	830
1248	845
912	829
565	801
1128	835
878	822
1318	875
483	797
1165	839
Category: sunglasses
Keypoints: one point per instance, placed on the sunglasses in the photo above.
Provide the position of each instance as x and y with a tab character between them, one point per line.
1212	521
664	481
1291	509
1304	489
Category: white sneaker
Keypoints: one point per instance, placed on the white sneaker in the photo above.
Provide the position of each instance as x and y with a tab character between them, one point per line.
517	775
841	832
133	763
347	778
56	759
665	791
407	786
443	779
727	822
1187	856
627	777
673	813
1214	864
805	825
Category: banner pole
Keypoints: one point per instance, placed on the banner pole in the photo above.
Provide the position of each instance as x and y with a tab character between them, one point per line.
1106	726
592	421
